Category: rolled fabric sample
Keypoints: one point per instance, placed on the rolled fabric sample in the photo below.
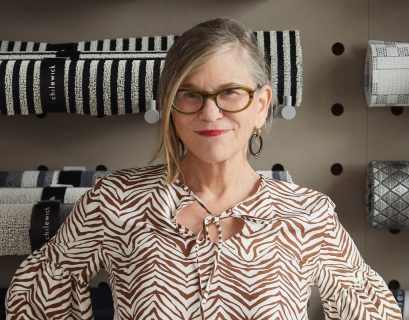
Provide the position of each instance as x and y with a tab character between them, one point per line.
283	55
22	46
387	194
387	74
15	223
278	175
40	178
402	298
108	78
96	84
34	195
138	44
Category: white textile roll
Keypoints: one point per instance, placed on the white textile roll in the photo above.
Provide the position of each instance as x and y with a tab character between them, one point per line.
33	195
387	74
15	223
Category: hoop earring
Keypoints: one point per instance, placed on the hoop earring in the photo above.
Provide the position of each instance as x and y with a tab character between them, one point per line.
256	134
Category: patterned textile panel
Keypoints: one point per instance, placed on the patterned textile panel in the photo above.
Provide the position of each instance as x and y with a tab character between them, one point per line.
387	194
116	76
387	74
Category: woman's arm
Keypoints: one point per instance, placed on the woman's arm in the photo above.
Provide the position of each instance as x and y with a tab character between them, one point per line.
349	288
53	282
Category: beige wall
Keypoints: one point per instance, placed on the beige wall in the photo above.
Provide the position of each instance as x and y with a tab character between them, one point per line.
307	146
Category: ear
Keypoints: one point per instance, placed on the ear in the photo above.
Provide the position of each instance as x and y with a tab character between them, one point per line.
264	97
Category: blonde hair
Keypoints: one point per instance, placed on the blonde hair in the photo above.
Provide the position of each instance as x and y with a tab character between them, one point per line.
192	49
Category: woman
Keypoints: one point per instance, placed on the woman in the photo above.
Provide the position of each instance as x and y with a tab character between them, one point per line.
203	236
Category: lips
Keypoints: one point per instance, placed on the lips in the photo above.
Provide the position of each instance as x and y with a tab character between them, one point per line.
211	133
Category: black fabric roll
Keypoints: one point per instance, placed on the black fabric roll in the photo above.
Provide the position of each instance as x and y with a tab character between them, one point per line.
45	222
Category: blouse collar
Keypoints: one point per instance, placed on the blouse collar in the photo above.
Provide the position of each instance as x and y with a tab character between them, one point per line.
245	206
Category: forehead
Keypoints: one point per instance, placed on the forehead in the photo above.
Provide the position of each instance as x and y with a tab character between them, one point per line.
225	67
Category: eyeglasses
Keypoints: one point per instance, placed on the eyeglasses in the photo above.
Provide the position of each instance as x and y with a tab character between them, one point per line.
233	99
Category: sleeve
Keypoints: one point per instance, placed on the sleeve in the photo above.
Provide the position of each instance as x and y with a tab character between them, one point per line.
349	288
53	282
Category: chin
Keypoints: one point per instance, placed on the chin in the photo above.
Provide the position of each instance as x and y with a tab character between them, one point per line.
215	157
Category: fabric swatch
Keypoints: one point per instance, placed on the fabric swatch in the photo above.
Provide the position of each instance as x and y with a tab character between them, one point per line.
387	74
387	194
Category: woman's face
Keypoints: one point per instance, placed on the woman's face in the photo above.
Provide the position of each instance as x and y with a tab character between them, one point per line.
221	69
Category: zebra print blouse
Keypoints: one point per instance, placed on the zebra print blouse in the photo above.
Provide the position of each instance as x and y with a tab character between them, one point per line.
158	269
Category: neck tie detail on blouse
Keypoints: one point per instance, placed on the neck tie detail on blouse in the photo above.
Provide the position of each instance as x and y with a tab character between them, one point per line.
207	252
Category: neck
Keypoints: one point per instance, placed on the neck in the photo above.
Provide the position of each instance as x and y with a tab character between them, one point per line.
218	179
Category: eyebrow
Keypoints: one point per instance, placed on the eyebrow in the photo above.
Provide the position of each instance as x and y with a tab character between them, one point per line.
224	85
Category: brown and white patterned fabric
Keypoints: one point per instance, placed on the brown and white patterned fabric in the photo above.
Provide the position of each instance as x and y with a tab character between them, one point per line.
116	76
158	269
30	216
387	74
387	194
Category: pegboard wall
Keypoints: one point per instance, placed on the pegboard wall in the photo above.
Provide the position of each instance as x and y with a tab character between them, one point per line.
327	146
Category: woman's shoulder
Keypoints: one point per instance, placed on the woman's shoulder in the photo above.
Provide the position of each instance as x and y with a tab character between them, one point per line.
310	200
135	176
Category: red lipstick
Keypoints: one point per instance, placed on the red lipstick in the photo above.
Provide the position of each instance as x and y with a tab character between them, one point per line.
211	133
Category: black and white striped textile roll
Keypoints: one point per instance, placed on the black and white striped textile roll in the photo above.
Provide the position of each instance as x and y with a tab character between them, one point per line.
117	76
39	178
281	49
139	44
402	298
22	46
387	74
387	194
283	55
114	83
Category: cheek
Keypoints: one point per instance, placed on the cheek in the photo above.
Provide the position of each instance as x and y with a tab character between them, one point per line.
247	122
181	125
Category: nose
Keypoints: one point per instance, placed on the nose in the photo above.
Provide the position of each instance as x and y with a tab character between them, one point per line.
210	111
